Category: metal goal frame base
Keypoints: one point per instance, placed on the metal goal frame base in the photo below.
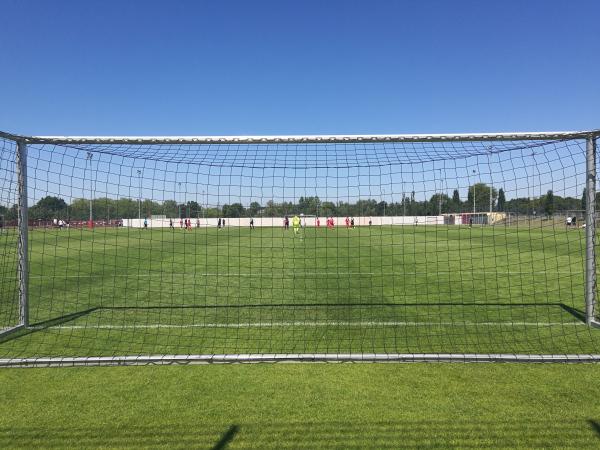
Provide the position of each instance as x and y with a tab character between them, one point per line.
295	358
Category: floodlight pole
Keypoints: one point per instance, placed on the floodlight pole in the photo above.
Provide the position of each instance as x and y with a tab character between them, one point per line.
440	195
23	269
89	157
590	229
139	172
474	184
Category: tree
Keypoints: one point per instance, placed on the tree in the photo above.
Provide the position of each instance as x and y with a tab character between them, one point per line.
233	210
169	208
549	203
366	207
328	209
456	200
501	200
433	206
193	209
482	197
48	208
9	213
270	209
254	209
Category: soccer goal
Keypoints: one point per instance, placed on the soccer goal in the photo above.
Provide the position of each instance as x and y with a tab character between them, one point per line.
136	250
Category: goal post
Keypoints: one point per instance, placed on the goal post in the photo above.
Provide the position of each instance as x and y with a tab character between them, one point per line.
23	239
590	232
139	250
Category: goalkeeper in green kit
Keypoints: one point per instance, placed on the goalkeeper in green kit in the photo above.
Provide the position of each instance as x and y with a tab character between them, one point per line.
296	224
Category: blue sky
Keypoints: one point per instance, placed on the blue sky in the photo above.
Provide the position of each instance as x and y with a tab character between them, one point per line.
225	68
196	68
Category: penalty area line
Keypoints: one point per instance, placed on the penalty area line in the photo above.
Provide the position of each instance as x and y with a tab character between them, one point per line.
309	324
299	273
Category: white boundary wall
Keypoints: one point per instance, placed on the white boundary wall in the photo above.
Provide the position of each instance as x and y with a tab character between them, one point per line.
278	221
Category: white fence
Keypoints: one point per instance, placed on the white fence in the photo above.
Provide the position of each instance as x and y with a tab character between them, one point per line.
279	221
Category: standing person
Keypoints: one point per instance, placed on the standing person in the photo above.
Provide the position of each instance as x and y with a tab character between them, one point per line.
145	223
470	221
296	224
347	222
197	223
171	224
219	223
370	221
286	223
180	222
352	222
252	223
318	222
223	222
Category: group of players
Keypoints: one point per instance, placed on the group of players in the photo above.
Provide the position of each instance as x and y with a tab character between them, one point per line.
184	224
297	223
300	222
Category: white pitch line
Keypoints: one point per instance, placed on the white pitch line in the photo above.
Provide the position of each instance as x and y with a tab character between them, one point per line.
298	274
309	324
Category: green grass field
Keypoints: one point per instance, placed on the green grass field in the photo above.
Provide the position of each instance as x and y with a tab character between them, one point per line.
303	406
381	290
428	289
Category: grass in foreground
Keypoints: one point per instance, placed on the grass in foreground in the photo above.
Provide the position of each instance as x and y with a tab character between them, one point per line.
303	406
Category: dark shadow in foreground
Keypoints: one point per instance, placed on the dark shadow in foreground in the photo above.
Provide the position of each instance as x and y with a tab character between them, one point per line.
226	438
579	315
39	326
416	433
595	426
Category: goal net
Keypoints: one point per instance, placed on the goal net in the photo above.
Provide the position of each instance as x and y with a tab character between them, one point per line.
300	248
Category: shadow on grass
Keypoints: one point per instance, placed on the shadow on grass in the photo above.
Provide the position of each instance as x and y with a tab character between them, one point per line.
579	315
595	426
226	438
357	433
61	320
43	325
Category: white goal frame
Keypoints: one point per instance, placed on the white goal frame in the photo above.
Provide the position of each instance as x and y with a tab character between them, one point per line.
21	142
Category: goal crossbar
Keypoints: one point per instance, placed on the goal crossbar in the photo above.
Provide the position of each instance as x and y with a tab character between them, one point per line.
304	139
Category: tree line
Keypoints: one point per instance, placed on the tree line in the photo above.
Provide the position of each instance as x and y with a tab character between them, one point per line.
478	199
